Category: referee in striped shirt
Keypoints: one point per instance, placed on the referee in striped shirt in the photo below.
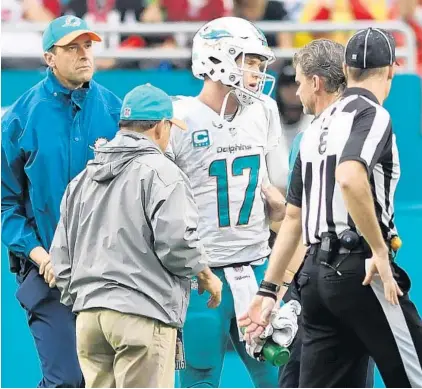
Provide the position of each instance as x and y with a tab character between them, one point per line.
355	301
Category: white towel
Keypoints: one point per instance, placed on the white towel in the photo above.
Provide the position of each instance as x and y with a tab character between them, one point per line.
284	336
282	329
284	322
243	284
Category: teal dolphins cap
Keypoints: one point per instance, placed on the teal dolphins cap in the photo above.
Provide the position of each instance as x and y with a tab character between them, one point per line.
146	102
63	30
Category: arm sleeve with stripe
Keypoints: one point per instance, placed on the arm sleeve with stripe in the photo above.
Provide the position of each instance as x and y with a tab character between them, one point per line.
294	151
369	136
295	193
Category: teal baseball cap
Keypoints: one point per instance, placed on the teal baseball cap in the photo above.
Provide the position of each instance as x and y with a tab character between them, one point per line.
63	30
146	102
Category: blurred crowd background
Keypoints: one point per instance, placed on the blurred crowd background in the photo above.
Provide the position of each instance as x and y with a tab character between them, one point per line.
121	12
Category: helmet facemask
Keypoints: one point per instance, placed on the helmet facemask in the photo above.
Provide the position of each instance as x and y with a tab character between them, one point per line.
245	95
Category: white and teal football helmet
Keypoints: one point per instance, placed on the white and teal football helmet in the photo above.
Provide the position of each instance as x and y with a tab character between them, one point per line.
217	46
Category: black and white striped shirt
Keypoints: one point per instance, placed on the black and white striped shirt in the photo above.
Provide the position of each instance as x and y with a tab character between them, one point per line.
354	128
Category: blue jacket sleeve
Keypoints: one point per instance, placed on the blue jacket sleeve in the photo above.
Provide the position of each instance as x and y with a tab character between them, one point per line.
17	233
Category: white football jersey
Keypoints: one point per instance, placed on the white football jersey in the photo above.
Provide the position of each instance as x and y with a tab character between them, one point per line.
226	166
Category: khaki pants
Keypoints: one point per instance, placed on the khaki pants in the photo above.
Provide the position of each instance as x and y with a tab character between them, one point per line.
125	351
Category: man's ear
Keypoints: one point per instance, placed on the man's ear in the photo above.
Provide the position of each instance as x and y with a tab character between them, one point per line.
159	129
391	71
49	59
316	83
345	69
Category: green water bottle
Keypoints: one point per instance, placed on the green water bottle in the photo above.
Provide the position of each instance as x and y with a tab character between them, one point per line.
274	353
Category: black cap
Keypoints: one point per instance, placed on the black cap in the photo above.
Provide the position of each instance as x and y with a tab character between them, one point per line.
370	48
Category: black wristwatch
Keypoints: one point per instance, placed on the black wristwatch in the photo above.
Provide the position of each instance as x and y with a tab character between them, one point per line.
268	289
269	286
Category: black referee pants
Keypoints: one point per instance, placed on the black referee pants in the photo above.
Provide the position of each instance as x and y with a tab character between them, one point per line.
344	323
288	376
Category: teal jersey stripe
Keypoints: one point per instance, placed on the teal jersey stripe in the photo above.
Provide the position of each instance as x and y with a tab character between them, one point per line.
294	151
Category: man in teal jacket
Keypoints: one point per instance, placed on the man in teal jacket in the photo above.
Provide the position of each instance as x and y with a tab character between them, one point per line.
47	139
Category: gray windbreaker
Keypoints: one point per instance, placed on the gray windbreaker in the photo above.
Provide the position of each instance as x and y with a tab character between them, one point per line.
127	238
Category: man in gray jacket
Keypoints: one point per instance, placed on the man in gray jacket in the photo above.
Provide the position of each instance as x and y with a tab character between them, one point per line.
126	247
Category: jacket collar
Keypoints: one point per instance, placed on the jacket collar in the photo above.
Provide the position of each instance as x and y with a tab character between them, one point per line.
137	136
54	87
361	92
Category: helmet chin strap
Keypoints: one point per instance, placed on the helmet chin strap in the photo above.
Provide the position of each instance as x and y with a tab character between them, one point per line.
226	99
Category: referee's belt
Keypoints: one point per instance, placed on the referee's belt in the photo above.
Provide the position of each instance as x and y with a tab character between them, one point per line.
346	243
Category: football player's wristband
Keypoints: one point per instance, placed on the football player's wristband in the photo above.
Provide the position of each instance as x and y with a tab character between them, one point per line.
265	293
